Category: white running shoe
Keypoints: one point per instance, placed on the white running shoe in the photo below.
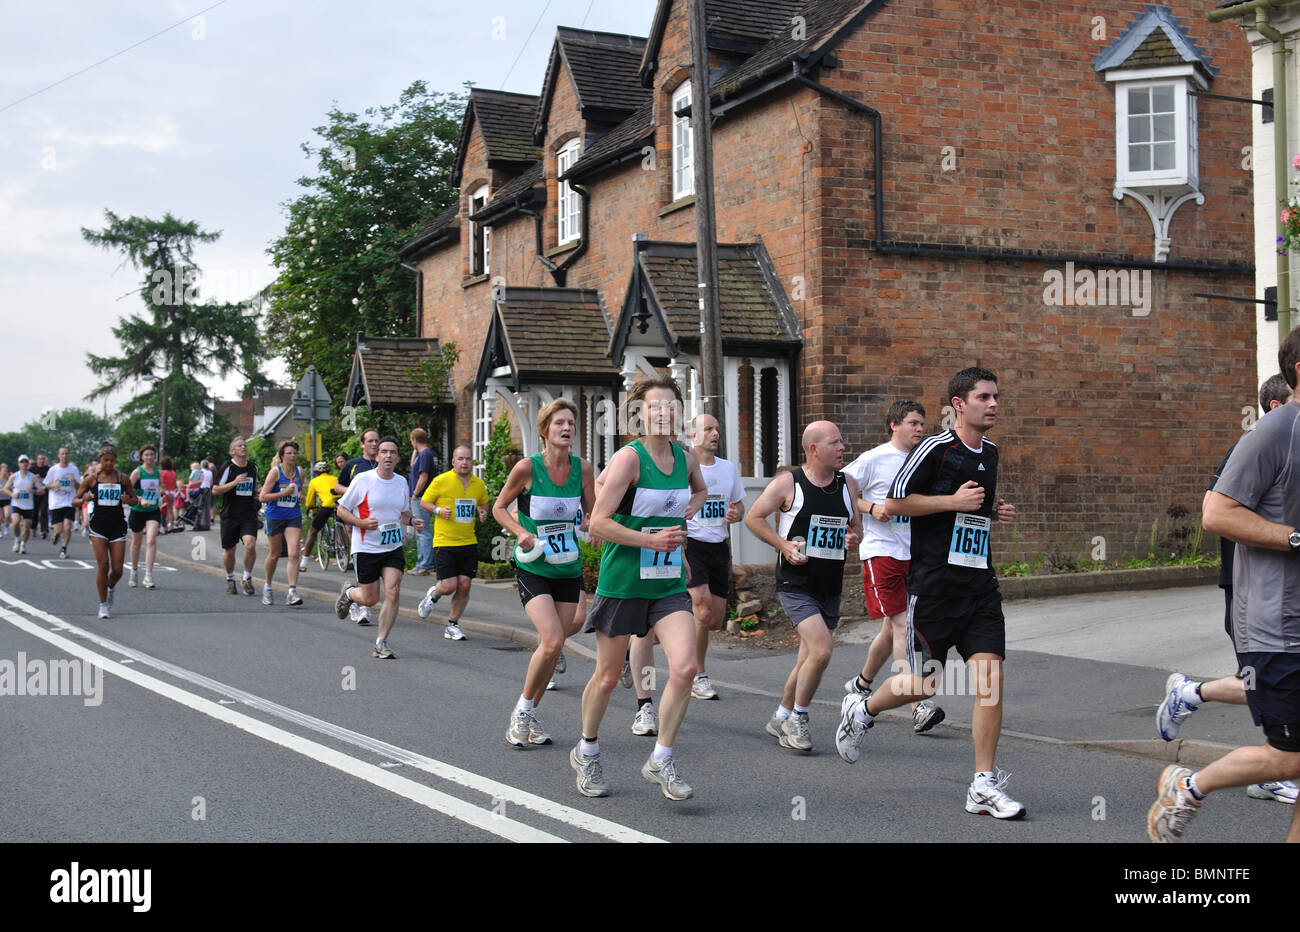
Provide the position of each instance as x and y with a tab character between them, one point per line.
1284	791
293	598
851	688
267	597
561	664
988	799
551	684
849	734
517	733
103	610
1169	815
453	632
795	734
425	608
701	688
925	716
1173	710
148	581
645	722
302	565
666	775
130	581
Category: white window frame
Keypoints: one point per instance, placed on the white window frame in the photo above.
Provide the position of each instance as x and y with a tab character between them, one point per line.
478	199
683	144
1185	167
569	213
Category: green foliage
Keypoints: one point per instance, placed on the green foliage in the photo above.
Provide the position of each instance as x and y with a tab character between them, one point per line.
1021	568
78	429
380	177
260	453
495	454
749	623
590	565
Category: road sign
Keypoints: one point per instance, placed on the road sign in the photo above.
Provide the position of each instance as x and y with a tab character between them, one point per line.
313	387
311	402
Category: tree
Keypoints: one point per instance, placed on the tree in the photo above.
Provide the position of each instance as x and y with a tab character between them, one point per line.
78	429
185	336
379	180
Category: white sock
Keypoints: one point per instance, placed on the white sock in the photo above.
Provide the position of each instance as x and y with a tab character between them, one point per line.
1187	692
982	778
524	705
782	713
379	641
661	753
267	587
861	715
247	574
588	748
800	710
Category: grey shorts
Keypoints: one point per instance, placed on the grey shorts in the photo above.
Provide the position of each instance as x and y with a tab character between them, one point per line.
617	617
800	605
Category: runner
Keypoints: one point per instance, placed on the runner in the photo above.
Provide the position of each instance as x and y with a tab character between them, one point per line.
948	486
146	517
886	550
237	485
424	466
551	487
109	489
649	488
22	487
320	489
351	468
6	500
283	520
1256	502
818	520
1183	696
40	469
61	482
455	499
377	504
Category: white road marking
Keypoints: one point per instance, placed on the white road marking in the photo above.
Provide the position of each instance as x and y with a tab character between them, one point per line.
390	752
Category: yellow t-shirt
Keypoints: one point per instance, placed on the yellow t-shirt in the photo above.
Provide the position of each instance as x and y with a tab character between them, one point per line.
446	489
321	487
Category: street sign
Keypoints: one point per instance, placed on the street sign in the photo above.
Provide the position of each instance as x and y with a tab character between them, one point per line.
311	402
313	387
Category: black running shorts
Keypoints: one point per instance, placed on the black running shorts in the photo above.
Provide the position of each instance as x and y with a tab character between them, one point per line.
235	528
450	562
710	565
936	624
560	590
1273	694
371	565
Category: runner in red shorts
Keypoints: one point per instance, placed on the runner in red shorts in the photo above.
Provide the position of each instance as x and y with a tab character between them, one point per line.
886	551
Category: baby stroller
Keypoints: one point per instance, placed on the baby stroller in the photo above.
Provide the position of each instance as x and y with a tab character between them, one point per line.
187	508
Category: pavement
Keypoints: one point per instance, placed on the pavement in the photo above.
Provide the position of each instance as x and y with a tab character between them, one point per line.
1083	670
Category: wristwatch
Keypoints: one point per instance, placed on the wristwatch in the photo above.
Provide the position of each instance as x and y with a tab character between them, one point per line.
1295	540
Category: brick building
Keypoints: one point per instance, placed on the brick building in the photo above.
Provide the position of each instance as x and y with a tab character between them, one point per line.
903	189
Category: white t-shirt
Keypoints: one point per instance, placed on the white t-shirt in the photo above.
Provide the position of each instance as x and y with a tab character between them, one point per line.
206	481
67	478
710	523
874	471
387	500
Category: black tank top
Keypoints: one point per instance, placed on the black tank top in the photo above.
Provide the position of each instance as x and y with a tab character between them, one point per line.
821	517
107	520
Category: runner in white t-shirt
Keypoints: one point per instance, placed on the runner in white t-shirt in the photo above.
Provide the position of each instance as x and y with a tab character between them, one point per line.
886	552
61	482
377	504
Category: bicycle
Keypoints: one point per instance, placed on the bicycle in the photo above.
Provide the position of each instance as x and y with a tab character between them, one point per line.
333	544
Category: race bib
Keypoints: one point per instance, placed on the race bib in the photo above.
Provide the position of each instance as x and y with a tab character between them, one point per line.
970	542
108	493
713	513
826	537
289	501
466	509
148	492
65	484
902	519
245	486
390	534
658	565
23	496
561	543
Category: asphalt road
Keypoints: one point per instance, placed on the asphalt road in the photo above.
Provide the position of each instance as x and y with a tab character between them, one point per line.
220	719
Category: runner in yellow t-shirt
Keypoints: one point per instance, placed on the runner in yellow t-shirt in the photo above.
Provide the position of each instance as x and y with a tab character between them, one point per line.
321	487
456	499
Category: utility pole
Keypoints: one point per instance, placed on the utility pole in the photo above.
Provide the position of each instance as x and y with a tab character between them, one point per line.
706	236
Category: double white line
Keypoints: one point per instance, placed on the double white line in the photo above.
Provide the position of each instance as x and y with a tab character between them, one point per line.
485	819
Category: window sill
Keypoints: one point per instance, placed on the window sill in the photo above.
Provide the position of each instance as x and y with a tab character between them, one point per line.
473	280
680	204
563	248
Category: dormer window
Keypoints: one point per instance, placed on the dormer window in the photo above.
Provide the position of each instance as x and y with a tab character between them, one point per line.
569	207
683	165
1155	133
480	246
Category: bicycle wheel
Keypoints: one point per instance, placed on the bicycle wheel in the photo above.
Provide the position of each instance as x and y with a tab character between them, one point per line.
323	548
342	544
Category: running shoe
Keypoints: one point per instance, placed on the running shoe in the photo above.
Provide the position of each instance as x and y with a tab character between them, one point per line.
551	684
248	585
851	688
1284	791
267	597
645	722
148	581
701	688
988	799
453	633
849	734
302	565
22	549
230	587
517	733
15	545
794	733
561	664
341	606
536	733
590	778
1173	809
63	553
625	677
425	608
925	716
112	593
773	726
360	614
103	610
382	652
293	598
1173	710
130	581
665	774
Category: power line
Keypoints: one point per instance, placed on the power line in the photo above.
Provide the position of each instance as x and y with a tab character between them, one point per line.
111	57
588	13
526	41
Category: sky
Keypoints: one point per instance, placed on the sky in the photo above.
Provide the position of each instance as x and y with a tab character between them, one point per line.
204	120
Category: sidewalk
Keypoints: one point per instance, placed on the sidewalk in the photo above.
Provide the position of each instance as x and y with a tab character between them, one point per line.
1083	670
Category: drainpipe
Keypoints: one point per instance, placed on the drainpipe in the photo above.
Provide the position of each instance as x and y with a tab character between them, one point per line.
560	272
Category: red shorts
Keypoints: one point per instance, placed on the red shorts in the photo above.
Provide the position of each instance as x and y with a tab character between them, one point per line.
884	586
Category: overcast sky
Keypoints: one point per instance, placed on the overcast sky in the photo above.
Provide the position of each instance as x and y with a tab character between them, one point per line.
205	121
